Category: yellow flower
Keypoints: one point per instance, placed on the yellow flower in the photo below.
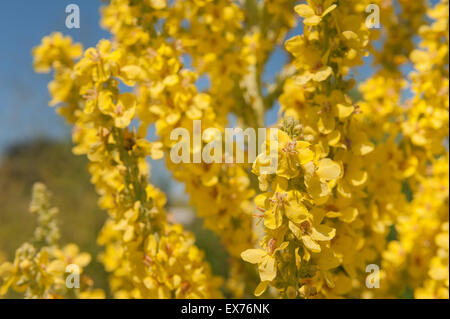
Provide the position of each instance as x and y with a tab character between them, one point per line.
292	154
70	254
311	233
55	51
308	59
281	203
122	111
328	170
265	259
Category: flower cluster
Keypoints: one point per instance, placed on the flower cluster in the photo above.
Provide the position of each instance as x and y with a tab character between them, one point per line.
361	177
313	212
351	174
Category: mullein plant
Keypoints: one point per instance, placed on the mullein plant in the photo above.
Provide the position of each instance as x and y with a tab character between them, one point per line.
352	171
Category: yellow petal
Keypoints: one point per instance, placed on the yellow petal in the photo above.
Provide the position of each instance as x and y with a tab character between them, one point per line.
305	155
329	279
131	72
323	233
344	111
438	273
71	250
327	260
442	240
363	148
296	212
344	189
253	256
158	4
329	9
295	230
333	214
318	190
56	267
127	103
105	102
273	218
350	35
295	44
282	246
194	113
128	234
173	117
6	270
171	80
209	179
343	284
312	21
322	74
326	123
82	259
349	214
4	288
128	100
358	177
328	169
151	245
261	288
202	101
311	244
287	167
334	138
303	79
156	153
260	200
304	10
267	269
